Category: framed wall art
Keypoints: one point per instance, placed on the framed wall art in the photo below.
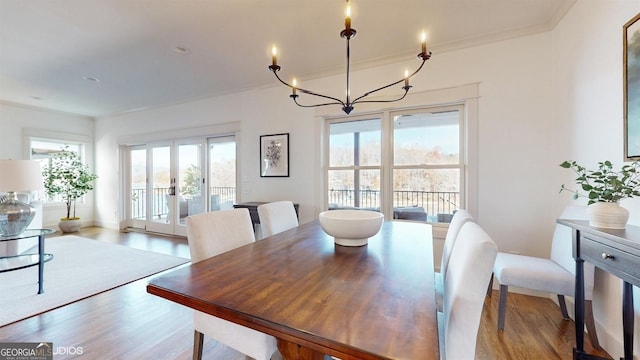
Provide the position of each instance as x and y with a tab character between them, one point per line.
631	79
274	155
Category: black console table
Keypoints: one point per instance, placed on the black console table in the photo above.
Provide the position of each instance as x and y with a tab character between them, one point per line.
616	252
21	261
253	209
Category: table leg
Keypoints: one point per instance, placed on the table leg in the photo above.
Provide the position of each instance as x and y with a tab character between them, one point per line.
40	264
293	351
627	320
579	298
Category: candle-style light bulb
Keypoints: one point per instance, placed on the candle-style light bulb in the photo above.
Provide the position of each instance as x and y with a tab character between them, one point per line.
274	55
294	82
406	78
423	40
347	16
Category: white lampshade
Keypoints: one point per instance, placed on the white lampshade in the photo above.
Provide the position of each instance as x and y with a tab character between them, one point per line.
20	175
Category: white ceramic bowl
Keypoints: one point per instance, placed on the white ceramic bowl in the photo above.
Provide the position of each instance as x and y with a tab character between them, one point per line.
351	227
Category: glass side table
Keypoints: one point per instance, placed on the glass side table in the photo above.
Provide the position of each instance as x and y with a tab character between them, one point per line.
21	261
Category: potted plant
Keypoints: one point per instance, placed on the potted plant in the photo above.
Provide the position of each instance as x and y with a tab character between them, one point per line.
67	176
604	188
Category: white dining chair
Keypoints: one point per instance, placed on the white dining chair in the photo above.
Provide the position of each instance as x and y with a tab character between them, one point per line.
554	275
465	286
276	217
459	218
210	234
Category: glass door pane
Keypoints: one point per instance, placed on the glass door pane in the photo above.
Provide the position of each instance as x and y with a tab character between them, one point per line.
138	187
162	189
190	197
222	173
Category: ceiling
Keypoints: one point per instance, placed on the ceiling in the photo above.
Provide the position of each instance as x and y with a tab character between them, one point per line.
105	57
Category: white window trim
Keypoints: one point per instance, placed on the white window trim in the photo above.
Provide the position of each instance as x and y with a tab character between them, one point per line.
29	134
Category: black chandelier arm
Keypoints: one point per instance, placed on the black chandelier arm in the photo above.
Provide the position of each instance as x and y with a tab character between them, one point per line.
275	70
406	91
295	100
335	100
305	91
424	59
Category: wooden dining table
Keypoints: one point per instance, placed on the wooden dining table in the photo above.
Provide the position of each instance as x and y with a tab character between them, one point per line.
370	302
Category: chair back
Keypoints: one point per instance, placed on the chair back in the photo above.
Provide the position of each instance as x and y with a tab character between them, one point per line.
562	247
459	218
276	217
210	234
215	232
465	287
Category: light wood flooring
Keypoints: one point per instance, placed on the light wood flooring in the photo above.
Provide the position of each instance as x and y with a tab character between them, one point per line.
128	323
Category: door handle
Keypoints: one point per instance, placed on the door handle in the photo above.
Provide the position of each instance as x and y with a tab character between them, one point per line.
172	188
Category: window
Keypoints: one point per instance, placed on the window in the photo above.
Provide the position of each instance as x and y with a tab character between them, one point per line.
407	164
43	149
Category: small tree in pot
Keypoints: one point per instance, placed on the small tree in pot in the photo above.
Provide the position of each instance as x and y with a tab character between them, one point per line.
67	176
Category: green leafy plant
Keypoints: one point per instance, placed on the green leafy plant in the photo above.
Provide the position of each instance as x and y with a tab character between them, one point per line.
605	184
67	176
191	181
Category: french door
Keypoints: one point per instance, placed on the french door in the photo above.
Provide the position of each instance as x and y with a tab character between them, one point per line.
168	182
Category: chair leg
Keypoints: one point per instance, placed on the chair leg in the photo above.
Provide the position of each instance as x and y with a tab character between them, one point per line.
198	340
591	324
502	306
490	288
563	306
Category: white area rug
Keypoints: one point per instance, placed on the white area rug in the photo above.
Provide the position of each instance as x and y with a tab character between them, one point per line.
80	268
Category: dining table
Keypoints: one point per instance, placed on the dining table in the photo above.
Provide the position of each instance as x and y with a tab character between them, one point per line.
315	297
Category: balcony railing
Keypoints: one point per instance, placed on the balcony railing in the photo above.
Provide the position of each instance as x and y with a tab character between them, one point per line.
438	205
160	204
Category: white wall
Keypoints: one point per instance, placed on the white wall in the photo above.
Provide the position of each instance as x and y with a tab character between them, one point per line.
588	121
15	120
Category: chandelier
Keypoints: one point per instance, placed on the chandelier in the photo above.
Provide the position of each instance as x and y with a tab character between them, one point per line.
347	105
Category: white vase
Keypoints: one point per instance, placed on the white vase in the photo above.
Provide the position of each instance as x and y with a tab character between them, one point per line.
69	225
607	215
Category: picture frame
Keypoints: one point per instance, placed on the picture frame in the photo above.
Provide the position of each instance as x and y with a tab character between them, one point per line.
274	155
631	84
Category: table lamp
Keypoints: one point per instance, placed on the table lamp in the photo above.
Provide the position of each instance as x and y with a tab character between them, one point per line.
17	175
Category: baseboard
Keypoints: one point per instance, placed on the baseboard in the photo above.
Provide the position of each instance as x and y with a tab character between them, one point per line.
106	225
